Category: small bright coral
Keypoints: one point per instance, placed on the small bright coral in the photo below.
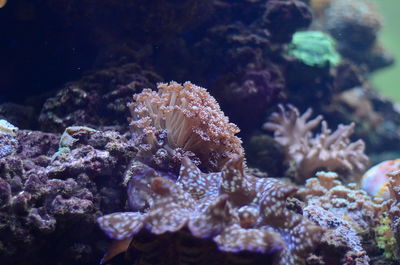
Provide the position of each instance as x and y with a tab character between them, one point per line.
183	120
8	143
385	238
375	181
237	212
328	150
314	48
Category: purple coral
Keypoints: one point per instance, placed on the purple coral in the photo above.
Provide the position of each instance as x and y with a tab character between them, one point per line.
44	199
237	211
346	211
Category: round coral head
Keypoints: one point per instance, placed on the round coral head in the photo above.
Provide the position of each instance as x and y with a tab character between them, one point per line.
375	181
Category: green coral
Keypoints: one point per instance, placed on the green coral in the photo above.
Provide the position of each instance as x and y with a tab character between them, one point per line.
385	238
314	48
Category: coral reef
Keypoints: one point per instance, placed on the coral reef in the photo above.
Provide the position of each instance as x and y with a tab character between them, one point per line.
182	120
71	67
327	150
8	143
44	199
385	238
346	211
239	212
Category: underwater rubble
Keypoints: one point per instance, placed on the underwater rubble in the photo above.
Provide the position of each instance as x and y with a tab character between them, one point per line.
121	165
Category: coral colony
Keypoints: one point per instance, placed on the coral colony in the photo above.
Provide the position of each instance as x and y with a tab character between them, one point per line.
124	167
239	212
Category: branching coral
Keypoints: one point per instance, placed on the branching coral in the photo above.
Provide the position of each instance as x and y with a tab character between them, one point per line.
239	212
183	120
327	150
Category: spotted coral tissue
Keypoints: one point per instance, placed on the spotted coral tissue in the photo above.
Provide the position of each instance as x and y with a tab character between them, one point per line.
237	212
182	120
309	153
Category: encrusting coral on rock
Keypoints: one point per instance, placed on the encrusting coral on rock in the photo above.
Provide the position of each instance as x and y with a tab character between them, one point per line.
347	212
8	143
327	150
44	197
239	212
182	120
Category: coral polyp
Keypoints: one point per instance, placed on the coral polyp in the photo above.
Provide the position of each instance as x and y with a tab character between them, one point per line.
182	120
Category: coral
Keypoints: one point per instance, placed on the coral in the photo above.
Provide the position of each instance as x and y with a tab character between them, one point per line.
7	128
8	143
347	211
314	48
385	238
327	150
44	199
346	202
375	181
239	212
340	244
182	120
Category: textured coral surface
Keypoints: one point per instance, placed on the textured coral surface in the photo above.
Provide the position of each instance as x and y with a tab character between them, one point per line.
183	120
100	138
241	213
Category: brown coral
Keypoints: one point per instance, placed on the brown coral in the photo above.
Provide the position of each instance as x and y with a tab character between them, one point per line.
181	120
238	212
327	150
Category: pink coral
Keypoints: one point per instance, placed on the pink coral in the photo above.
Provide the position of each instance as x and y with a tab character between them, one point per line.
327	150
183	120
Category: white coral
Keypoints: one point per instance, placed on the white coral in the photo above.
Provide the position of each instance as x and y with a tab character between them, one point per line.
328	150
